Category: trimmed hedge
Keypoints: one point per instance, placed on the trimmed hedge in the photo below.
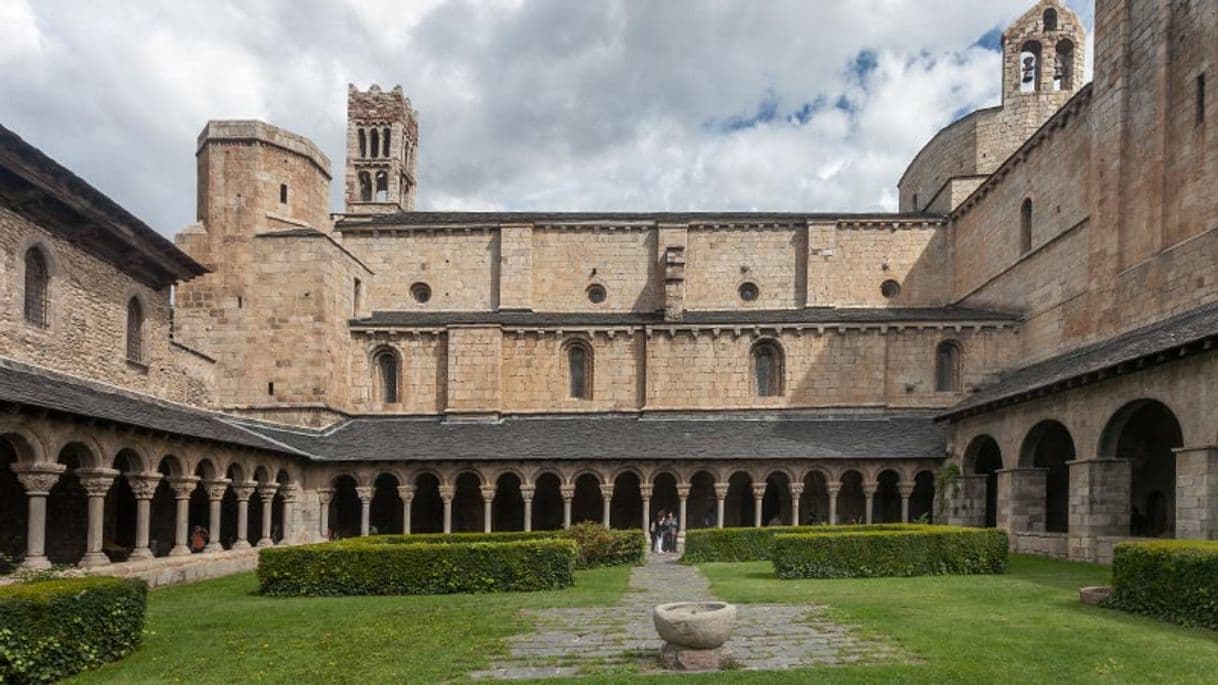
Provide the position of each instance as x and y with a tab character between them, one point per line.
363	568
598	546
924	550
1173	580
50	629
753	544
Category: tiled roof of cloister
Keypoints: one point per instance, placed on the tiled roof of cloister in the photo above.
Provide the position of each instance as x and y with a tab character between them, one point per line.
617	437
1171	338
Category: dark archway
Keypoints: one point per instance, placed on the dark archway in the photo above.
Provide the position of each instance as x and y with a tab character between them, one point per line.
507	509
851	501
385	510
701	507
814	501
467	504
279	507
1146	432
922	500
118	537
228	506
886	505
587	503
68	509
199	510
738	509
626	507
345	509
986	460
1049	446
427	507
547	502
776	503
14	510
664	497
163	522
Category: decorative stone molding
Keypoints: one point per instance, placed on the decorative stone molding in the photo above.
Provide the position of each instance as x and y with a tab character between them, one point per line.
645	491
324	495
488	493
759	490
526	493
683	491
38	479
721	490
364	493
447	492
406	492
244	490
143	485
267	492
96	482
216	488
797	490
290	492
567	492
183	485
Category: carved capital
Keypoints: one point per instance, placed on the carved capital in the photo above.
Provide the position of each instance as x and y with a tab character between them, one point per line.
446	492
607	491
833	489
364	493
567	492
758	490
906	490
96	482
406	492
526	493
721	490
797	489
683	491
324	495
143	485
216	488
869	489
183	486
488	493
38	479
244	490
267	492
289	492
645	491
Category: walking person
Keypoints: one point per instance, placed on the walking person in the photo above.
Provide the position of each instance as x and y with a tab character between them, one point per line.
657	533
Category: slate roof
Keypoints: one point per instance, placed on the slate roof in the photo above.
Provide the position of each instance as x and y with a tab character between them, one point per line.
355	221
617	437
813	315
1123	353
36	387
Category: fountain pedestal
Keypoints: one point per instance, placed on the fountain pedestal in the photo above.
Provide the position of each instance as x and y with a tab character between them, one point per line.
694	634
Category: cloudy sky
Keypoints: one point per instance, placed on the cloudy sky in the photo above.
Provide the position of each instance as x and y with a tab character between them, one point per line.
546	104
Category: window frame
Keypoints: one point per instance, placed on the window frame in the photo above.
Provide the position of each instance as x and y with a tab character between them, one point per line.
775	385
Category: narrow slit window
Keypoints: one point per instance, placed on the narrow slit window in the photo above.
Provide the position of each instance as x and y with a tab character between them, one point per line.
135	331
1200	112
37	283
579	371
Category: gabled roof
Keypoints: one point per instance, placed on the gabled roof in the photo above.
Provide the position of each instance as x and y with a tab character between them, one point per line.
48	194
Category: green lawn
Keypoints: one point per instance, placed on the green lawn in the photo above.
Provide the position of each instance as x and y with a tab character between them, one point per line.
1026	627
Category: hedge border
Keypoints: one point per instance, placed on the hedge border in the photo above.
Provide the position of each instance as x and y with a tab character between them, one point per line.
51	629
929	550
1172	580
753	544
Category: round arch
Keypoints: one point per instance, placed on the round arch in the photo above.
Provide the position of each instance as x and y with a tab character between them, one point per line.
983	457
1147	432
1049	445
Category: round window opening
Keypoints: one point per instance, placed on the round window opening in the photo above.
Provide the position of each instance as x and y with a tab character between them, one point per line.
596	294
748	292
890	289
421	292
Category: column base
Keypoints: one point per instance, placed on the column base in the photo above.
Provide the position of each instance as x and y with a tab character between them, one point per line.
266	542
180	551
94	559
36	563
213	547
140	554
242	544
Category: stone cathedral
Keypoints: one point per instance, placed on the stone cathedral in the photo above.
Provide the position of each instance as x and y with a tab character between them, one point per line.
1027	343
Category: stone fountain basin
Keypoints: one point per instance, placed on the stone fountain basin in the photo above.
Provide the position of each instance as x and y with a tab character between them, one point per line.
695	625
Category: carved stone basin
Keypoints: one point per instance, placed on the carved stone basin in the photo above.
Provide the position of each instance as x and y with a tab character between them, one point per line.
695	625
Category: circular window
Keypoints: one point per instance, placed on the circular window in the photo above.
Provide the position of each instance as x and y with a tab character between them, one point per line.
421	292
748	291
596	294
890	289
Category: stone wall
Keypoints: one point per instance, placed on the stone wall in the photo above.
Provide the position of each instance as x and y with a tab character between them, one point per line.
566	261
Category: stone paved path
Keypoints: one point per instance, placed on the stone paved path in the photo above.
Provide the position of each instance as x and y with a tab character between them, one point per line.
571	641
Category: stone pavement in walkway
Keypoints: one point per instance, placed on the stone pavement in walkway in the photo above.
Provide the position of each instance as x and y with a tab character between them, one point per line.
573	641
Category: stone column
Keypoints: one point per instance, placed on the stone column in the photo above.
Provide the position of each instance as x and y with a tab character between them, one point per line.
143	486
969	508
526	494
182	487
96	483
1197	493
364	492
1100	494
406	492
244	491
758	497
291	492
906	492
869	497
324	495
266	493
215	496
682	501
645	496
720	498
1021	499
797	491
833	489
37	479
488	507
568	494
606	504
446	494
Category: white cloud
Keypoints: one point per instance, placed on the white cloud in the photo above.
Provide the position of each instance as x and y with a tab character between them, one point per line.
526	104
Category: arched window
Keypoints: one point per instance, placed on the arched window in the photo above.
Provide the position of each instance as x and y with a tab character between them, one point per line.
365	186
386	363
382	186
947	367
1029	67
283	193
1063	68
363	143
385	142
579	370
375	140
1025	227
1050	19
135	331
37	285
767	369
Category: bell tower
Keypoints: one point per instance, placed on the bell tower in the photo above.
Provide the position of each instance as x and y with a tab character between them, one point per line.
1043	55
382	151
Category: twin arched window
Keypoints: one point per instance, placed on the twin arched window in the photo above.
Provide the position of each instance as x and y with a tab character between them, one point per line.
135	331
37	288
767	369
947	367
385	363
579	370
